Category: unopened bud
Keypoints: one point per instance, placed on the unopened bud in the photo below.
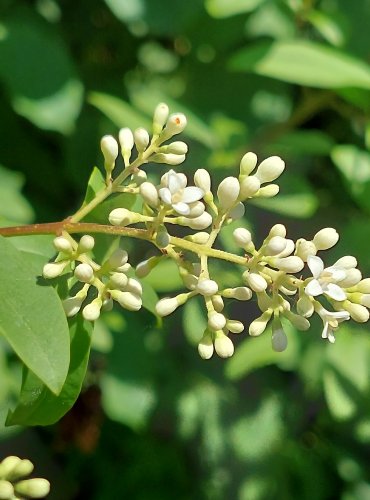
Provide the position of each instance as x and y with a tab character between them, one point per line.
160	117
234	326
72	305
304	249
363	286
242	237
249	187
291	264
6	490
326	238
123	217
202	180
216	321
8	465
268	191
63	245
205	346
305	306
91	312
22	469
54	269
255	281
217	302
358	312
346	262
149	194
258	326
223	345
33	488
248	163
199	223
141	138
118	280
275	245
228	192
207	287
365	300
277	230
196	209
134	286
239	293
237	212
270	169
109	148
144	267
128	300
177	148
84	272
118	258
353	277
126	140
167	306
175	125
86	243
299	322
168	158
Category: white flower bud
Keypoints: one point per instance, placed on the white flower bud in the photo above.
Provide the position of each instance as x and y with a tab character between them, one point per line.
144	267
168	158
84	272
63	245
365	300
217	302
139	177
223	345
72	305
363	286
228	192
268	191
279	340
199	223
326	238
205	346
196	209
177	148
346	262
358	312
167	306
200	238
239	293
289	249
202	180
353	277
118	280
134	286
128	300
118	258
54	269
249	187
175	125
86	243
237	212
291	264
6	490
258	326
126	140
256	281
248	163
149	194
141	138
109	148
275	245
216	321
207	287
242	237
123	217
305	306
277	230
160	117
234	326
304	249
91	312
33	488
270	169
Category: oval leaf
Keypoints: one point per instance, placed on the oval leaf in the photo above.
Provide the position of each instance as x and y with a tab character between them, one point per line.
32	319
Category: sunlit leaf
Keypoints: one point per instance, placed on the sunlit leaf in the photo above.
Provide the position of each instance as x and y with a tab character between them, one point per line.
304	63
226	8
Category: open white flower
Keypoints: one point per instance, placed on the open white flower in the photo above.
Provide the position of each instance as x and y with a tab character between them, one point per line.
331	322
325	279
176	194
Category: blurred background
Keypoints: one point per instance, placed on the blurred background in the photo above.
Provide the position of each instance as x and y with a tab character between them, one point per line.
285	77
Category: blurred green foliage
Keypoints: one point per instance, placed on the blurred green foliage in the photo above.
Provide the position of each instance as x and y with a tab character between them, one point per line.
286	77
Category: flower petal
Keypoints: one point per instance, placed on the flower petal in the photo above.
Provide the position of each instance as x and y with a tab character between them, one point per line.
336	273
316	265
339	315
165	194
181	208
335	292
314	288
174	182
192	194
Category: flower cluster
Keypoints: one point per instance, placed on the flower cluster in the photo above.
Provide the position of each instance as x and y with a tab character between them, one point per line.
288	279
13	487
98	285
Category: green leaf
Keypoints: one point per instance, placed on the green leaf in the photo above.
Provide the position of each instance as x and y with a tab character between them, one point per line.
354	164
150	298
32	319
194	321
227	8
304	63
38	72
14	207
302	142
164	277
37	404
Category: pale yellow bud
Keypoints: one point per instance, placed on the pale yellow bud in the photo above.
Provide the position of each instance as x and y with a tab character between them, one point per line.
168	158
299	322
207	287
144	267
249	187
346	262
217	302
175	125
6	490
234	326
304	249
126	140
109	148
364	286
160	117
177	148
256	281
33	488
91	312
86	243
228	192
84	273
268	191
167	306
63	245
277	230
239	293
258	326
305	306
141	138
275	245
223	345
199	223
202	180
326	238
205	346
291	264
248	163
54	269
128	300
353	277
358	312
216	321
118	258
270	169
118	280
242	237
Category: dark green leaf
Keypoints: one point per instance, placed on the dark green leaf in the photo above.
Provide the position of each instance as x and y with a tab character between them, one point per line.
37	404
31	316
